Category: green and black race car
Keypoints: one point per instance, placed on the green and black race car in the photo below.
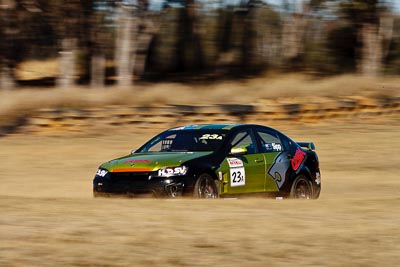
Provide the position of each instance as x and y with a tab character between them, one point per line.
214	160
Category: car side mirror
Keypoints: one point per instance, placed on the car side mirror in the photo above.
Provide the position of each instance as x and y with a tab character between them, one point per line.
237	151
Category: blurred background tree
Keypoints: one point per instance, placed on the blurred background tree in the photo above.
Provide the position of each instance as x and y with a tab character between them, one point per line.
99	41
67	21
372	23
9	31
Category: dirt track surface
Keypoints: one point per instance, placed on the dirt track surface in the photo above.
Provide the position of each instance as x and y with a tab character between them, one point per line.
49	218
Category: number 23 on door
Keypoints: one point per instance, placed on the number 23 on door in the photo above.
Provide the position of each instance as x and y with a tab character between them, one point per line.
238	177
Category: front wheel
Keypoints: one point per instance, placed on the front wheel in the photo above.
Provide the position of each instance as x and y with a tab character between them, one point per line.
301	188
205	187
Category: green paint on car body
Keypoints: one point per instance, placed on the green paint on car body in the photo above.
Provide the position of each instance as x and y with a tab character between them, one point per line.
152	161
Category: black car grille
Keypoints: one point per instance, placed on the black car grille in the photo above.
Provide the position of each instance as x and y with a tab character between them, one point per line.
130	176
130	181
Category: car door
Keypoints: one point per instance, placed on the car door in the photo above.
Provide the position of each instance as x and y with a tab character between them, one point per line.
247	171
277	158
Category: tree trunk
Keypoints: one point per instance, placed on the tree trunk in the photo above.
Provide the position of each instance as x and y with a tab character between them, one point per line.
386	24
125	51
293	32
143	41
67	73
371	53
7	13
7	81
376	39
293	36
98	71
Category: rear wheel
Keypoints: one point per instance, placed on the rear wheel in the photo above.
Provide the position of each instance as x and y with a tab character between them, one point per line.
301	188
205	187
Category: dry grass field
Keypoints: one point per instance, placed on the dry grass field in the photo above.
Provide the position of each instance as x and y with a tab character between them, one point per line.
49	218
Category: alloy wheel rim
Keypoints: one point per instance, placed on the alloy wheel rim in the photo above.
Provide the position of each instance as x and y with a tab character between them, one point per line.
302	190
206	190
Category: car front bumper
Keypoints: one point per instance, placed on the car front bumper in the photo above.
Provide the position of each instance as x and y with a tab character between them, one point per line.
143	185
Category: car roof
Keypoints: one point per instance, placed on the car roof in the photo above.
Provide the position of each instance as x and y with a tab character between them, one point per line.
221	126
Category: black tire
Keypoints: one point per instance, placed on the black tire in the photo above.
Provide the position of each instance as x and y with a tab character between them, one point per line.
205	187
301	188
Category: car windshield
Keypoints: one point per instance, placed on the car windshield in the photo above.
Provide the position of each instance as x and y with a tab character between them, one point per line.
185	141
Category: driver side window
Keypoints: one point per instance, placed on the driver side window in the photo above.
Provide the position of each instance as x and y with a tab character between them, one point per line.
244	139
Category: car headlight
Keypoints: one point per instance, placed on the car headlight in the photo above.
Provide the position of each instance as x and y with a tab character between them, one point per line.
101	172
172	171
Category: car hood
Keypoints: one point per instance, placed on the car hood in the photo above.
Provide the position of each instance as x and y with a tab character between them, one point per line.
147	162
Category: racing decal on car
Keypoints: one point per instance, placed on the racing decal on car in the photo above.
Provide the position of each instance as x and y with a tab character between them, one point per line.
235	162
133	161
132	170
279	168
139	160
211	137
165	172
101	172
298	159
273	147
237	172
